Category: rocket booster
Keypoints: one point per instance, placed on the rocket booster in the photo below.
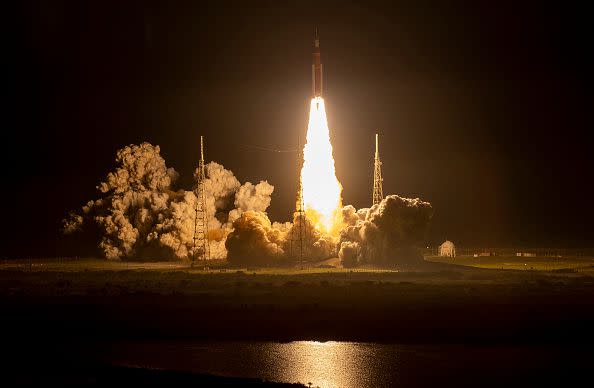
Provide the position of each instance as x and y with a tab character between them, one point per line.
316	69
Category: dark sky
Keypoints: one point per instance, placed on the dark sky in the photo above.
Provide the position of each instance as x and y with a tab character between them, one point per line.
485	111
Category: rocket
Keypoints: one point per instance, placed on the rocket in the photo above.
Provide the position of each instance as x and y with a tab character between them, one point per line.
316	69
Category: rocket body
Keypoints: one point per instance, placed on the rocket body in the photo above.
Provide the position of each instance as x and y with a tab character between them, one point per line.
316	69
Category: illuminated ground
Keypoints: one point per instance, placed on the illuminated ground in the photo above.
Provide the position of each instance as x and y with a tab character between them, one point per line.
78	305
578	264
433	302
583	265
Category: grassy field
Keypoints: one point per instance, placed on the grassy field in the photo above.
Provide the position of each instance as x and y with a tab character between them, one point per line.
436	302
544	264
579	264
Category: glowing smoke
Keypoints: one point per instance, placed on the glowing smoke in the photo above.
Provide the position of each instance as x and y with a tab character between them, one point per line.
142	216
385	234
321	189
255	240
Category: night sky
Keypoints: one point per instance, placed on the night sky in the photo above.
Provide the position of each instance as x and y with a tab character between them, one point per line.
484	111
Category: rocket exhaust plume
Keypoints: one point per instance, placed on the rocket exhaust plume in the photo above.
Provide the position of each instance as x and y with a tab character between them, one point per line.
321	189
142	214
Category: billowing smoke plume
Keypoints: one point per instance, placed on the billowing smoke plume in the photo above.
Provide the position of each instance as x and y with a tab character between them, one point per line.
385	234
141	215
256	241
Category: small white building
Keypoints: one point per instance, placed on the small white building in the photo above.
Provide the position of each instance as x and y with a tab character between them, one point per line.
447	249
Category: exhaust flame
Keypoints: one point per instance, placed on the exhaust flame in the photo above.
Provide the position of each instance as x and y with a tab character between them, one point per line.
321	189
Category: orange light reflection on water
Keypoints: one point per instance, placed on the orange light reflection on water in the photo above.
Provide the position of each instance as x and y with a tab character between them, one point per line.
324	364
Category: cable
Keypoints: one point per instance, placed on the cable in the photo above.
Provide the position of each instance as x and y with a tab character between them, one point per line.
276	150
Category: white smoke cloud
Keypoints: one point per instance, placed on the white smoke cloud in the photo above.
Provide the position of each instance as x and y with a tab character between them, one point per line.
255	240
349	253
251	197
137	196
316	245
226	200
140	216
221	186
384	234
141	169
176	231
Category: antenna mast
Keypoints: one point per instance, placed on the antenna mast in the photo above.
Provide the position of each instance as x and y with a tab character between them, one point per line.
201	249
378	192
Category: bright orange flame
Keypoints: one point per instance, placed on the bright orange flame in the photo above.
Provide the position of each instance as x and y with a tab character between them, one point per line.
321	189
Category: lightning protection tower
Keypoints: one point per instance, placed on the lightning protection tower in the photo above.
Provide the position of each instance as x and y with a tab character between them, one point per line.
300	218
298	232
201	249
378	192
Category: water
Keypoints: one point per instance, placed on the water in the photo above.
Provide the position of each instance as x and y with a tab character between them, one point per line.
346	364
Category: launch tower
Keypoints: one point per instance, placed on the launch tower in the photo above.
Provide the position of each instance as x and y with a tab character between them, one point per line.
301	220
299	231
201	249
378	192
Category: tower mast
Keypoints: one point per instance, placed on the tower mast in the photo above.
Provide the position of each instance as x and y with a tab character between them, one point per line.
378	192
300	211
201	249
298	231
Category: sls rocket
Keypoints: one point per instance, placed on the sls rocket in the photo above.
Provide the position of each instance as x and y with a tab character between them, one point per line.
316	69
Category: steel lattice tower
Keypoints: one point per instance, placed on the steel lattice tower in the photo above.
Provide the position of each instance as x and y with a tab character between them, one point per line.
201	249
378	192
299	217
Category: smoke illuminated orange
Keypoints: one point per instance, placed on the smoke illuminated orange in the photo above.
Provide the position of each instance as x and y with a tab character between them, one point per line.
321	189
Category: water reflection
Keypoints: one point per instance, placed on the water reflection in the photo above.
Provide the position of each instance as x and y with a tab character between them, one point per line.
345	364
324	364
